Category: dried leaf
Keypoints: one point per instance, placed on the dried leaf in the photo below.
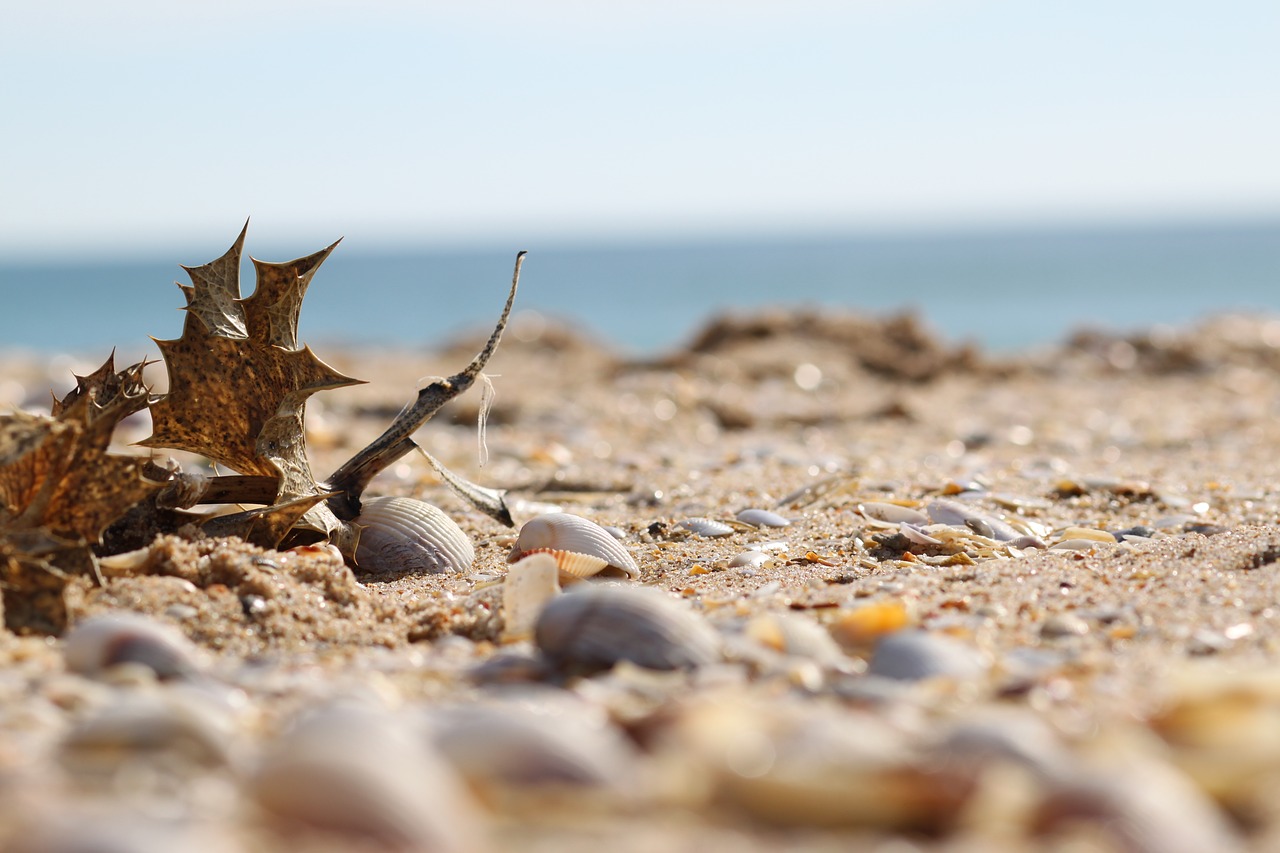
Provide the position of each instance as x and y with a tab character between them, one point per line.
238	381
60	488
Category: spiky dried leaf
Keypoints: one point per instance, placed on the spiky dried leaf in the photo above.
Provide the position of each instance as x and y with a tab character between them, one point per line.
60	488
238	379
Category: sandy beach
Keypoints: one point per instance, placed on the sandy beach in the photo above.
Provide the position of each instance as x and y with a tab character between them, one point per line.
1020	602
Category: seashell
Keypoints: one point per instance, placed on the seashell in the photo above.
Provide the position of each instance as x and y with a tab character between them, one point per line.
917	655
176	729
954	512
705	527
530	584
797	636
891	515
1076	545
101	642
591	628
917	535
750	559
810	767
117	829
409	535
762	518
1086	533
862	626
581	548
360	774
517	747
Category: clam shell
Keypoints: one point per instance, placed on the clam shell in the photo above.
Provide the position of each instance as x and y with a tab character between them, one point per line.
762	518
409	535
523	747
176	730
101	642
363	775
593	627
581	547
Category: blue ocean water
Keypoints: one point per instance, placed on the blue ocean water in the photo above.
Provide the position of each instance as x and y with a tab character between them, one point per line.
1002	290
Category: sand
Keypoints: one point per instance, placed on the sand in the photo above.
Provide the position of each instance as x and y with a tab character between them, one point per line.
1150	658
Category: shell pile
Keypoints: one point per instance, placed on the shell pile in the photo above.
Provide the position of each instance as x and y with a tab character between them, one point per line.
1021	607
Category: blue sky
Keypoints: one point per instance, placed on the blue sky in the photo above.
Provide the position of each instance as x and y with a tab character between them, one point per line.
147	125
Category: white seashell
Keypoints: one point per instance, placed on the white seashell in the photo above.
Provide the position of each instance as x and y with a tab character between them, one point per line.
121	829
954	512
173	729
582	548
891	515
524	747
361	774
101	642
762	518
409	535
750	559
797	636
594	627
917	655
705	527
530	584
917	535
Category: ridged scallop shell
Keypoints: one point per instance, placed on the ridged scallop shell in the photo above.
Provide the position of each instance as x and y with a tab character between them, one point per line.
581	548
409	535
593	627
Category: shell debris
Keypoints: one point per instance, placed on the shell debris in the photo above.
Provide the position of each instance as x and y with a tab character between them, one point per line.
531	582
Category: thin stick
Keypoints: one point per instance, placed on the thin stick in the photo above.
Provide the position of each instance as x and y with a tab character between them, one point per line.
353	477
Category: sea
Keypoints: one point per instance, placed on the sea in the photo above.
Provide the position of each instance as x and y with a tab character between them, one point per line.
1004	290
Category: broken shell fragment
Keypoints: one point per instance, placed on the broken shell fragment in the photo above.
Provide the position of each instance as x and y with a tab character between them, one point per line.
593	627
750	560
409	535
954	512
530	584
581	548
102	642
891	515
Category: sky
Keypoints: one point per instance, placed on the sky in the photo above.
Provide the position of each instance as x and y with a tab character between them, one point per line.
140	126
